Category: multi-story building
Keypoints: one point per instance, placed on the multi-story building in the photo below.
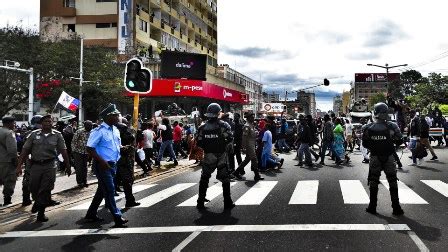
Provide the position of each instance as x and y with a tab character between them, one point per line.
337	105
253	89
308	102
144	28
368	84
345	102
274	97
135	27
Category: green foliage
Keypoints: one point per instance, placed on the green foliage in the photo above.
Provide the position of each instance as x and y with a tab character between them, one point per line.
59	61
444	109
378	97
429	92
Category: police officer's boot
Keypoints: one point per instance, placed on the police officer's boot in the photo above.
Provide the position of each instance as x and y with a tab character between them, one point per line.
41	215
26	199
6	200
228	203
203	185
373	199
395	201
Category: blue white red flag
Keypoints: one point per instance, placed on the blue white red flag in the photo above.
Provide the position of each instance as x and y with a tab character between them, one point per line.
68	102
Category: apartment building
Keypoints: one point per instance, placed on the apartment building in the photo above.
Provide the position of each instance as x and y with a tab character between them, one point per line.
253	89
135	27
368	84
308	102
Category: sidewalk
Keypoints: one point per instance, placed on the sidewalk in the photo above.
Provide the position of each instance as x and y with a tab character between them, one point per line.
64	183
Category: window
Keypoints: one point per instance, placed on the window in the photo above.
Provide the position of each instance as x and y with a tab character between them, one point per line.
143	25
105	25
101	1
71	28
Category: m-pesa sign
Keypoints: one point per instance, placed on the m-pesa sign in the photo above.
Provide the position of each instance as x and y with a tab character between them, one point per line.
194	88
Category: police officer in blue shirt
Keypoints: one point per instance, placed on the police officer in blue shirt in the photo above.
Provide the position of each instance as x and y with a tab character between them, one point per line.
104	147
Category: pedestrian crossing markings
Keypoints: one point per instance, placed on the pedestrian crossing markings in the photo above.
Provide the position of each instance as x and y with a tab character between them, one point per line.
305	193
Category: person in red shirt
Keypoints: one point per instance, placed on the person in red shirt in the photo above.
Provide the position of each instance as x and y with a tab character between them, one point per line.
177	138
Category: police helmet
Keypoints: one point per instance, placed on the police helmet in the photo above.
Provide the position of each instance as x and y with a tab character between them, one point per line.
36	120
380	111
213	110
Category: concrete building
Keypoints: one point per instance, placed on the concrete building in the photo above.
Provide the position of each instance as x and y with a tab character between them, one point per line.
308	102
345	102
253	89
337	105
145	28
368	84
138	27
273	97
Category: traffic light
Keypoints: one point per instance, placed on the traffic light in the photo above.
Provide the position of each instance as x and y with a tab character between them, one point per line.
326	82
137	79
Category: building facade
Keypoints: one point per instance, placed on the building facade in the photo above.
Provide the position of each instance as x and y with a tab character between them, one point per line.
253	89
308	102
368	84
270	97
135	27
345	102
337	105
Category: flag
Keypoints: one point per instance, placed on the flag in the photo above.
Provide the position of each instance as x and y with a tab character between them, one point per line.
68	102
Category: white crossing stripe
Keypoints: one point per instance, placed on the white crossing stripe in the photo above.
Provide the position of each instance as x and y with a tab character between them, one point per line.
438	185
305	192
135	189
256	194
212	192
353	192
164	194
406	195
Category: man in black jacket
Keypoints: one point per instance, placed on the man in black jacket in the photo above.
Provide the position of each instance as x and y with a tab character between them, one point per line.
305	142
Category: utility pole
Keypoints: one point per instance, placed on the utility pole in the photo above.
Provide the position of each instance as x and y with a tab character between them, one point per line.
81	116
29	71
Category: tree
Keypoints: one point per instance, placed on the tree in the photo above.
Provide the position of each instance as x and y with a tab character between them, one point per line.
378	97
444	109
429	91
409	80
59	61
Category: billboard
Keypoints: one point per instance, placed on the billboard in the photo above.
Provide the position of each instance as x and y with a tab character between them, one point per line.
272	107
180	65
124	25
376	77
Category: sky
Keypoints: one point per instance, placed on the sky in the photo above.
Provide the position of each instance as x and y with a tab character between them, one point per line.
293	44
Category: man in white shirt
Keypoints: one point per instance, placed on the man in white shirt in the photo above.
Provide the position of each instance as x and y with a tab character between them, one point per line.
148	141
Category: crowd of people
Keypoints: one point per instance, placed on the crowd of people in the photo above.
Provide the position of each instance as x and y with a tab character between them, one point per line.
44	146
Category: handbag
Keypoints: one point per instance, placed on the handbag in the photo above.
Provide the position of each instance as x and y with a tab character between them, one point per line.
141	154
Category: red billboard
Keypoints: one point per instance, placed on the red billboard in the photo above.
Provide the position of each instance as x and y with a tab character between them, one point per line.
194	88
376	77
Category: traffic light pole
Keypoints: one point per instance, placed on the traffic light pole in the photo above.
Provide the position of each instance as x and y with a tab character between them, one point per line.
135	116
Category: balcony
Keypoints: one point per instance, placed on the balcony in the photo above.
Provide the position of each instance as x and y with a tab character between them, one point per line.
155	22
68	12
155	2
165	7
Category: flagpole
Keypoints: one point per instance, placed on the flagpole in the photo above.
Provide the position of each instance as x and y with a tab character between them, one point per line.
80	117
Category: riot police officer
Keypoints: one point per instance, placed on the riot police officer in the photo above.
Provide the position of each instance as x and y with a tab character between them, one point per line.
379	138
213	137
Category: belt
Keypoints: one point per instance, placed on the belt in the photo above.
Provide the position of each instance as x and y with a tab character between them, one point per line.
42	162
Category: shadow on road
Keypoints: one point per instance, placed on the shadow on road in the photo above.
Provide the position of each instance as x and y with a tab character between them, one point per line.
211	218
427	233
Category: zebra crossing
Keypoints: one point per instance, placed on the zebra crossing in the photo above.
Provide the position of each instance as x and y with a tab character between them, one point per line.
305	193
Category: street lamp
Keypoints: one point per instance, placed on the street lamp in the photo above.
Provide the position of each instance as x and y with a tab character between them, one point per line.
387	67
15	67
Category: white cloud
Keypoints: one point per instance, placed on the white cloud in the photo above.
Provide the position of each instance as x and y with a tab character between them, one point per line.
331	38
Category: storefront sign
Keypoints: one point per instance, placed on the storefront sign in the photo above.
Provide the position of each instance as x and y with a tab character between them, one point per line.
194	88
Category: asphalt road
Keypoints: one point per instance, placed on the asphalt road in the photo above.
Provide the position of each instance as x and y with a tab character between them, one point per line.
297	208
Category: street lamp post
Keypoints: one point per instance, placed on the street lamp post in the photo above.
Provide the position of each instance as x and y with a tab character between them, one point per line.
15	67
80	118
387	67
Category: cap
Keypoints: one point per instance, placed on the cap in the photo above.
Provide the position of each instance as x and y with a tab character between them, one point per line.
8	119
45	116
111	109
